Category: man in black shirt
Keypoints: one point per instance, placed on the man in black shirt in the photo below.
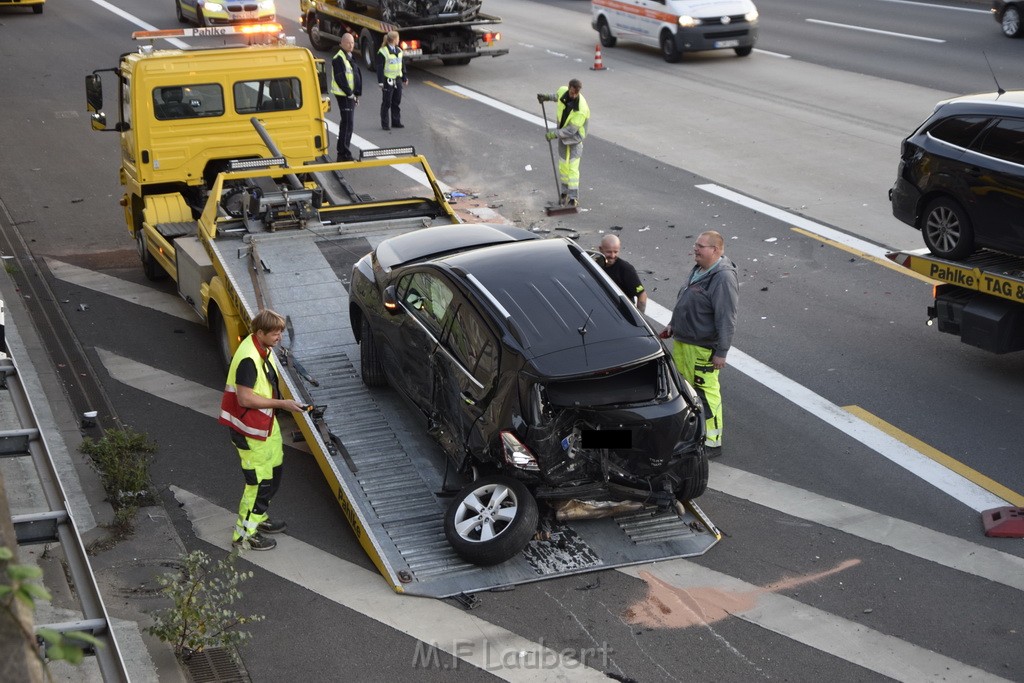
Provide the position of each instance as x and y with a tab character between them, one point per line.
622	272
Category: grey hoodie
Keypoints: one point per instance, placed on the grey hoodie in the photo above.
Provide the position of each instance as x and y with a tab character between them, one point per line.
705	311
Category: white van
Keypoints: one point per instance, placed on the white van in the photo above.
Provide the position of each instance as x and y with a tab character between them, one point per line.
678	26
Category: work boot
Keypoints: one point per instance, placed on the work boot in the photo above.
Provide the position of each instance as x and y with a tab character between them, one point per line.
563	199
397	125
255	542
269	526
573	202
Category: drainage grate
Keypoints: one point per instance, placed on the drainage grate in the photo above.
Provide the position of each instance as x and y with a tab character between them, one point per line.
216	665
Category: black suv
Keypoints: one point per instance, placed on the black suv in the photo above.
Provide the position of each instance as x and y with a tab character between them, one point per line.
961	176
537	376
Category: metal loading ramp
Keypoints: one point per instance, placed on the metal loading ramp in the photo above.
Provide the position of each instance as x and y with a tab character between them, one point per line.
385	470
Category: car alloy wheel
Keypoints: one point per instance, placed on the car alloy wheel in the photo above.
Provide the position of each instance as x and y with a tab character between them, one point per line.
491	520
947	229
1011	22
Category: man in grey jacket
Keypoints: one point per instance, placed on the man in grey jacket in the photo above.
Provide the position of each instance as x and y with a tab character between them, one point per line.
702	325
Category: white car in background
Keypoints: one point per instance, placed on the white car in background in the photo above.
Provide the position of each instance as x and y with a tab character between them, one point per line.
678	26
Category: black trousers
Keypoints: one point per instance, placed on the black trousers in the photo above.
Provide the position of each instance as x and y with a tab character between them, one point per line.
391	105
347	107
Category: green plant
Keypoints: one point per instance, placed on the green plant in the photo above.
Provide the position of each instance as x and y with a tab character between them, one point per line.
122	459
202	592
18	586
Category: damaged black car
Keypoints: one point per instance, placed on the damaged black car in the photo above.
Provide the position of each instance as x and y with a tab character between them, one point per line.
537	376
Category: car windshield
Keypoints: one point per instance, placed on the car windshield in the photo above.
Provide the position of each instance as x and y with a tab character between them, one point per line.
640	384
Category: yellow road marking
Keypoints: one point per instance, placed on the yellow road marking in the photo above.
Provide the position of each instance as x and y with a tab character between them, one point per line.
856	252
938	456
446	90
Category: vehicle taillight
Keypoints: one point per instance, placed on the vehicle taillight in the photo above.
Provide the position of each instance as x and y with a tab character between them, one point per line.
516	454
490	37
410	44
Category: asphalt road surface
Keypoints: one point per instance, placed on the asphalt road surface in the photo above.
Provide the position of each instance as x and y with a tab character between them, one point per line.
851	552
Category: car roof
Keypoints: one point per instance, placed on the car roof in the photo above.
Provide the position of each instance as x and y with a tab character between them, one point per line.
985	103
548	289
428	242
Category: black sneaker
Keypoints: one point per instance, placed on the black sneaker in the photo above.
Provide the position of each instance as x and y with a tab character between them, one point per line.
713	451
269	526
397	125
255	542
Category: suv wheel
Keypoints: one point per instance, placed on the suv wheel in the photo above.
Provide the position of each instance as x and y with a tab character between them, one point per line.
947	230
1011	22
370	367
491	520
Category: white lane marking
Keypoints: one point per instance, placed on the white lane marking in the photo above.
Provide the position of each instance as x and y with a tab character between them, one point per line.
905	537
497	104
842	638
934	6
154	381
138	22
860	245
442	626
873	30
944	479
122	289
772	54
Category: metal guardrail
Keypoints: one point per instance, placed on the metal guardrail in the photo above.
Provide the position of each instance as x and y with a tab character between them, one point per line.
57	524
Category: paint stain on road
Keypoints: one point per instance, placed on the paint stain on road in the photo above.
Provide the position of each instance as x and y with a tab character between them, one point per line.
667	606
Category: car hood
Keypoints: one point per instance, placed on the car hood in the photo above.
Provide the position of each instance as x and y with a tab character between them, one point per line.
710	8
595	357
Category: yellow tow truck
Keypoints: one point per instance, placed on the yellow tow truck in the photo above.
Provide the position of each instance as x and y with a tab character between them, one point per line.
36	5
979	298
228	191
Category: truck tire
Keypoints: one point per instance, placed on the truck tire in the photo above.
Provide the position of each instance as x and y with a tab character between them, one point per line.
491	520
220	337
370	366
456	61
696	485
367	48
1010	23
947	229
317	39
604	32
669	51
37	9
150	268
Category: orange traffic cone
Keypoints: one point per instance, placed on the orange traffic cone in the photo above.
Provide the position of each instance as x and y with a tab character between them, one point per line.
598	64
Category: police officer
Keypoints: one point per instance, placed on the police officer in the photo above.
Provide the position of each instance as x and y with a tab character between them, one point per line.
347	86
572	114
391	77
251	395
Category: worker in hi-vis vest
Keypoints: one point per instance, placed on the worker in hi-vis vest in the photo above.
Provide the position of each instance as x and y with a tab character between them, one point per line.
391	77
572	115
346	86
251	395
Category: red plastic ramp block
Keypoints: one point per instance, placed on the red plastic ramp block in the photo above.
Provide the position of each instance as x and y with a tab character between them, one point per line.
1007	522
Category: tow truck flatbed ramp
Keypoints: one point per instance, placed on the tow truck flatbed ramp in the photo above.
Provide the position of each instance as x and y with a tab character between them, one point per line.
385	471
989	272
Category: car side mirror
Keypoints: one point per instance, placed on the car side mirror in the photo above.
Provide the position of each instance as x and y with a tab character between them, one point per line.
597	257
390	301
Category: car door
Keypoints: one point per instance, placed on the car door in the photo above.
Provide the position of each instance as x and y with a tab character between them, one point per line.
424	298
464	370
998	180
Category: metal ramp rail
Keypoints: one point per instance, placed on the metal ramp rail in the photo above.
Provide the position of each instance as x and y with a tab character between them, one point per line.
57	524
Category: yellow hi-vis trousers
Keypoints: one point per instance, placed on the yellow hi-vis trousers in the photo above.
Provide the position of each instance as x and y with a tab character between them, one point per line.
569	168
261	467
694	364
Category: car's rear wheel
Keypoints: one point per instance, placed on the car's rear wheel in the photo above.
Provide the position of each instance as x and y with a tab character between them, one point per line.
947	230
604	31
1011	22
669	51
491	520
370	366
696	485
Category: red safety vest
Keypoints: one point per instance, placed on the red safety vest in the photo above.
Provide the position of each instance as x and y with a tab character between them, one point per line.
255	423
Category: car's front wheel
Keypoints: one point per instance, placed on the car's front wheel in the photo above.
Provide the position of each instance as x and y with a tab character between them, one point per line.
947	230
743	51
1011	22
491	520
604	31
669	51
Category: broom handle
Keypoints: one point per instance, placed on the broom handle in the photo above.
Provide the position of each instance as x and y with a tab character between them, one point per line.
554	166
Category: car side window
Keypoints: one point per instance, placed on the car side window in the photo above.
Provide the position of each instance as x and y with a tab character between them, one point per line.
959	130
1005	141
428	298
473	345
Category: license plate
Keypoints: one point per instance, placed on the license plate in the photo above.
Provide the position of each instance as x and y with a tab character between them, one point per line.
245	15
727	43
413	53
